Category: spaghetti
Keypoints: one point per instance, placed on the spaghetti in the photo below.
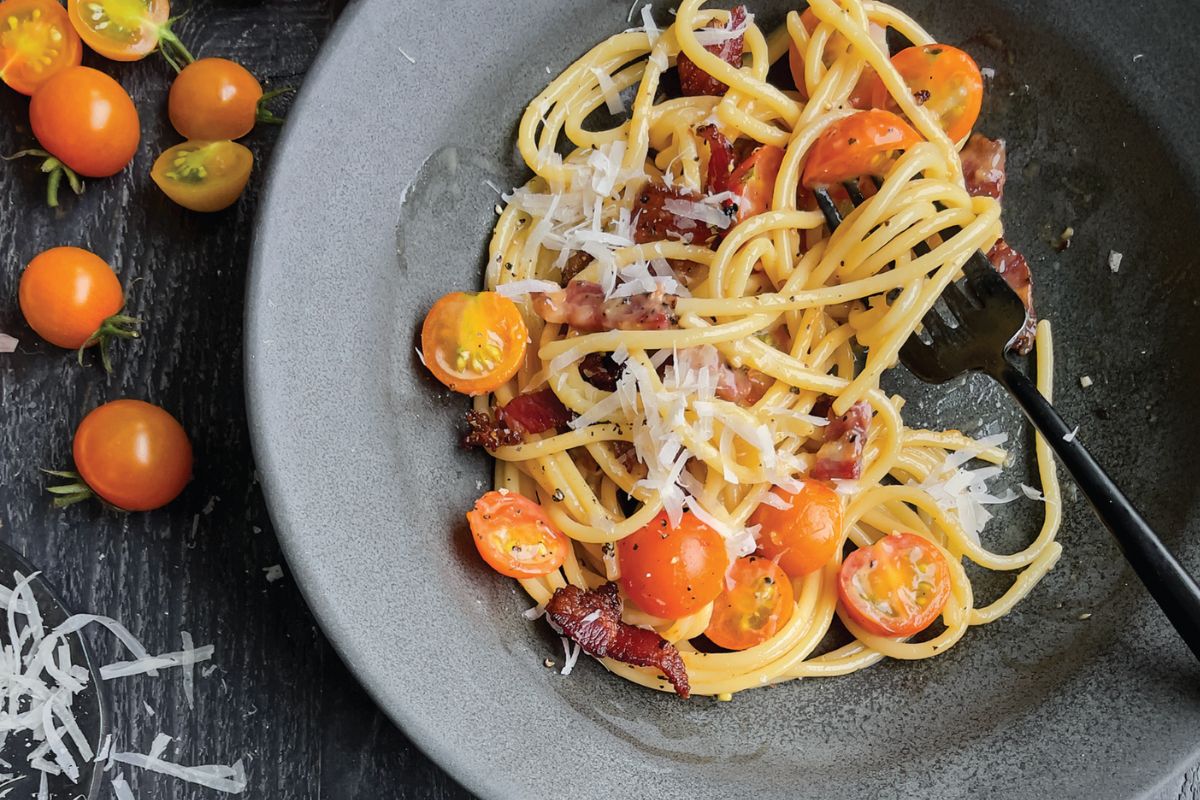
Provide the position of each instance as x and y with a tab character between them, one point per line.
705	377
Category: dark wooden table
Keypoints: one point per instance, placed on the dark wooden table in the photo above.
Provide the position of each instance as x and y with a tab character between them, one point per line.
280	698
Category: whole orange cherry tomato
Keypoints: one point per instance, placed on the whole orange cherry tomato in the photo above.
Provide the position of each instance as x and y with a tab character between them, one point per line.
130	454
754	181
72	298
87	121
804	537
896	587
36	43
474	343
944	80
756	603
204	176
215	98
515	537
128	30
672	572
865	143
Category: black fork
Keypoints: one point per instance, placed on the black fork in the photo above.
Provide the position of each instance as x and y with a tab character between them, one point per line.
987	315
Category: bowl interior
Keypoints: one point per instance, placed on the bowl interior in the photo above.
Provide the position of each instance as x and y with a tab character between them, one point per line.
379	203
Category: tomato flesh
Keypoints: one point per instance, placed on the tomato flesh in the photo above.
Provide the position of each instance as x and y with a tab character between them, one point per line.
943	79
474	343
204	176
67	293
86	120
123	30
864	143
133	455
755	604
896	587
515	537
214	99
36	43
804	537
672	572
754	181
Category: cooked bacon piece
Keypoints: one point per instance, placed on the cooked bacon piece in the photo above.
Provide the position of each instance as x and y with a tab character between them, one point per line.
845	438
534	412
592	618
690	273
983	166
1015	271
626	453
601	371
582	306
720	158
694	81
576	264
743	386
652	221
487	432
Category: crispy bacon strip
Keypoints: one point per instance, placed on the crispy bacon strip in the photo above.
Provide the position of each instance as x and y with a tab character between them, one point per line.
534	412
488	432
652	222
983	162
593	620
694	81
720	158
582	305
1013	267
845	437
601	371
743	386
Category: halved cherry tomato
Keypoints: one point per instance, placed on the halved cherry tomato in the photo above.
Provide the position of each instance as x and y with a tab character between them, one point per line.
86	120
128	30
36	43
131	454
515	537
860	97
896	587
215	98
72	298
474	343
203	176
672	572
754	181
864	143
805	537
944	80
756	603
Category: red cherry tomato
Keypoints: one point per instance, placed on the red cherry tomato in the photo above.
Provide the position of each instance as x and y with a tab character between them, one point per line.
754	181
672	572
756	603
865	143
515	537
133	455
943	79
86	120
805	537
896	587
36	43
474	343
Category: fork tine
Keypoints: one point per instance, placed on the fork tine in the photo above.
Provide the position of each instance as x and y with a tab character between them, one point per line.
856	195
832	217
935	326
957	300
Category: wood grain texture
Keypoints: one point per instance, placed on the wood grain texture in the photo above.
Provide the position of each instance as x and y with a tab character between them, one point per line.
280	697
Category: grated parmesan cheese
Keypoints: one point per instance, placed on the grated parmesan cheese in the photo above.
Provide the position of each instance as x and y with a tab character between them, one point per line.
1086	382
718	36
121	789
1032	493
612	98
1114	261
1070	437
273	573
188	671
8	344
572	655
515	289
965	492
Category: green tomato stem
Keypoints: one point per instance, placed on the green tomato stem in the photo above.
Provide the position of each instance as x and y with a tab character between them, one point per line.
264	114
71	493
118	326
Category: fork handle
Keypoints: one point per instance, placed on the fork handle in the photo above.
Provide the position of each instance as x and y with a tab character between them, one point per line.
1167	581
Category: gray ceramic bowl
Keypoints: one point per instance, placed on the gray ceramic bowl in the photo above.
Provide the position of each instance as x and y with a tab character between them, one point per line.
377	205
